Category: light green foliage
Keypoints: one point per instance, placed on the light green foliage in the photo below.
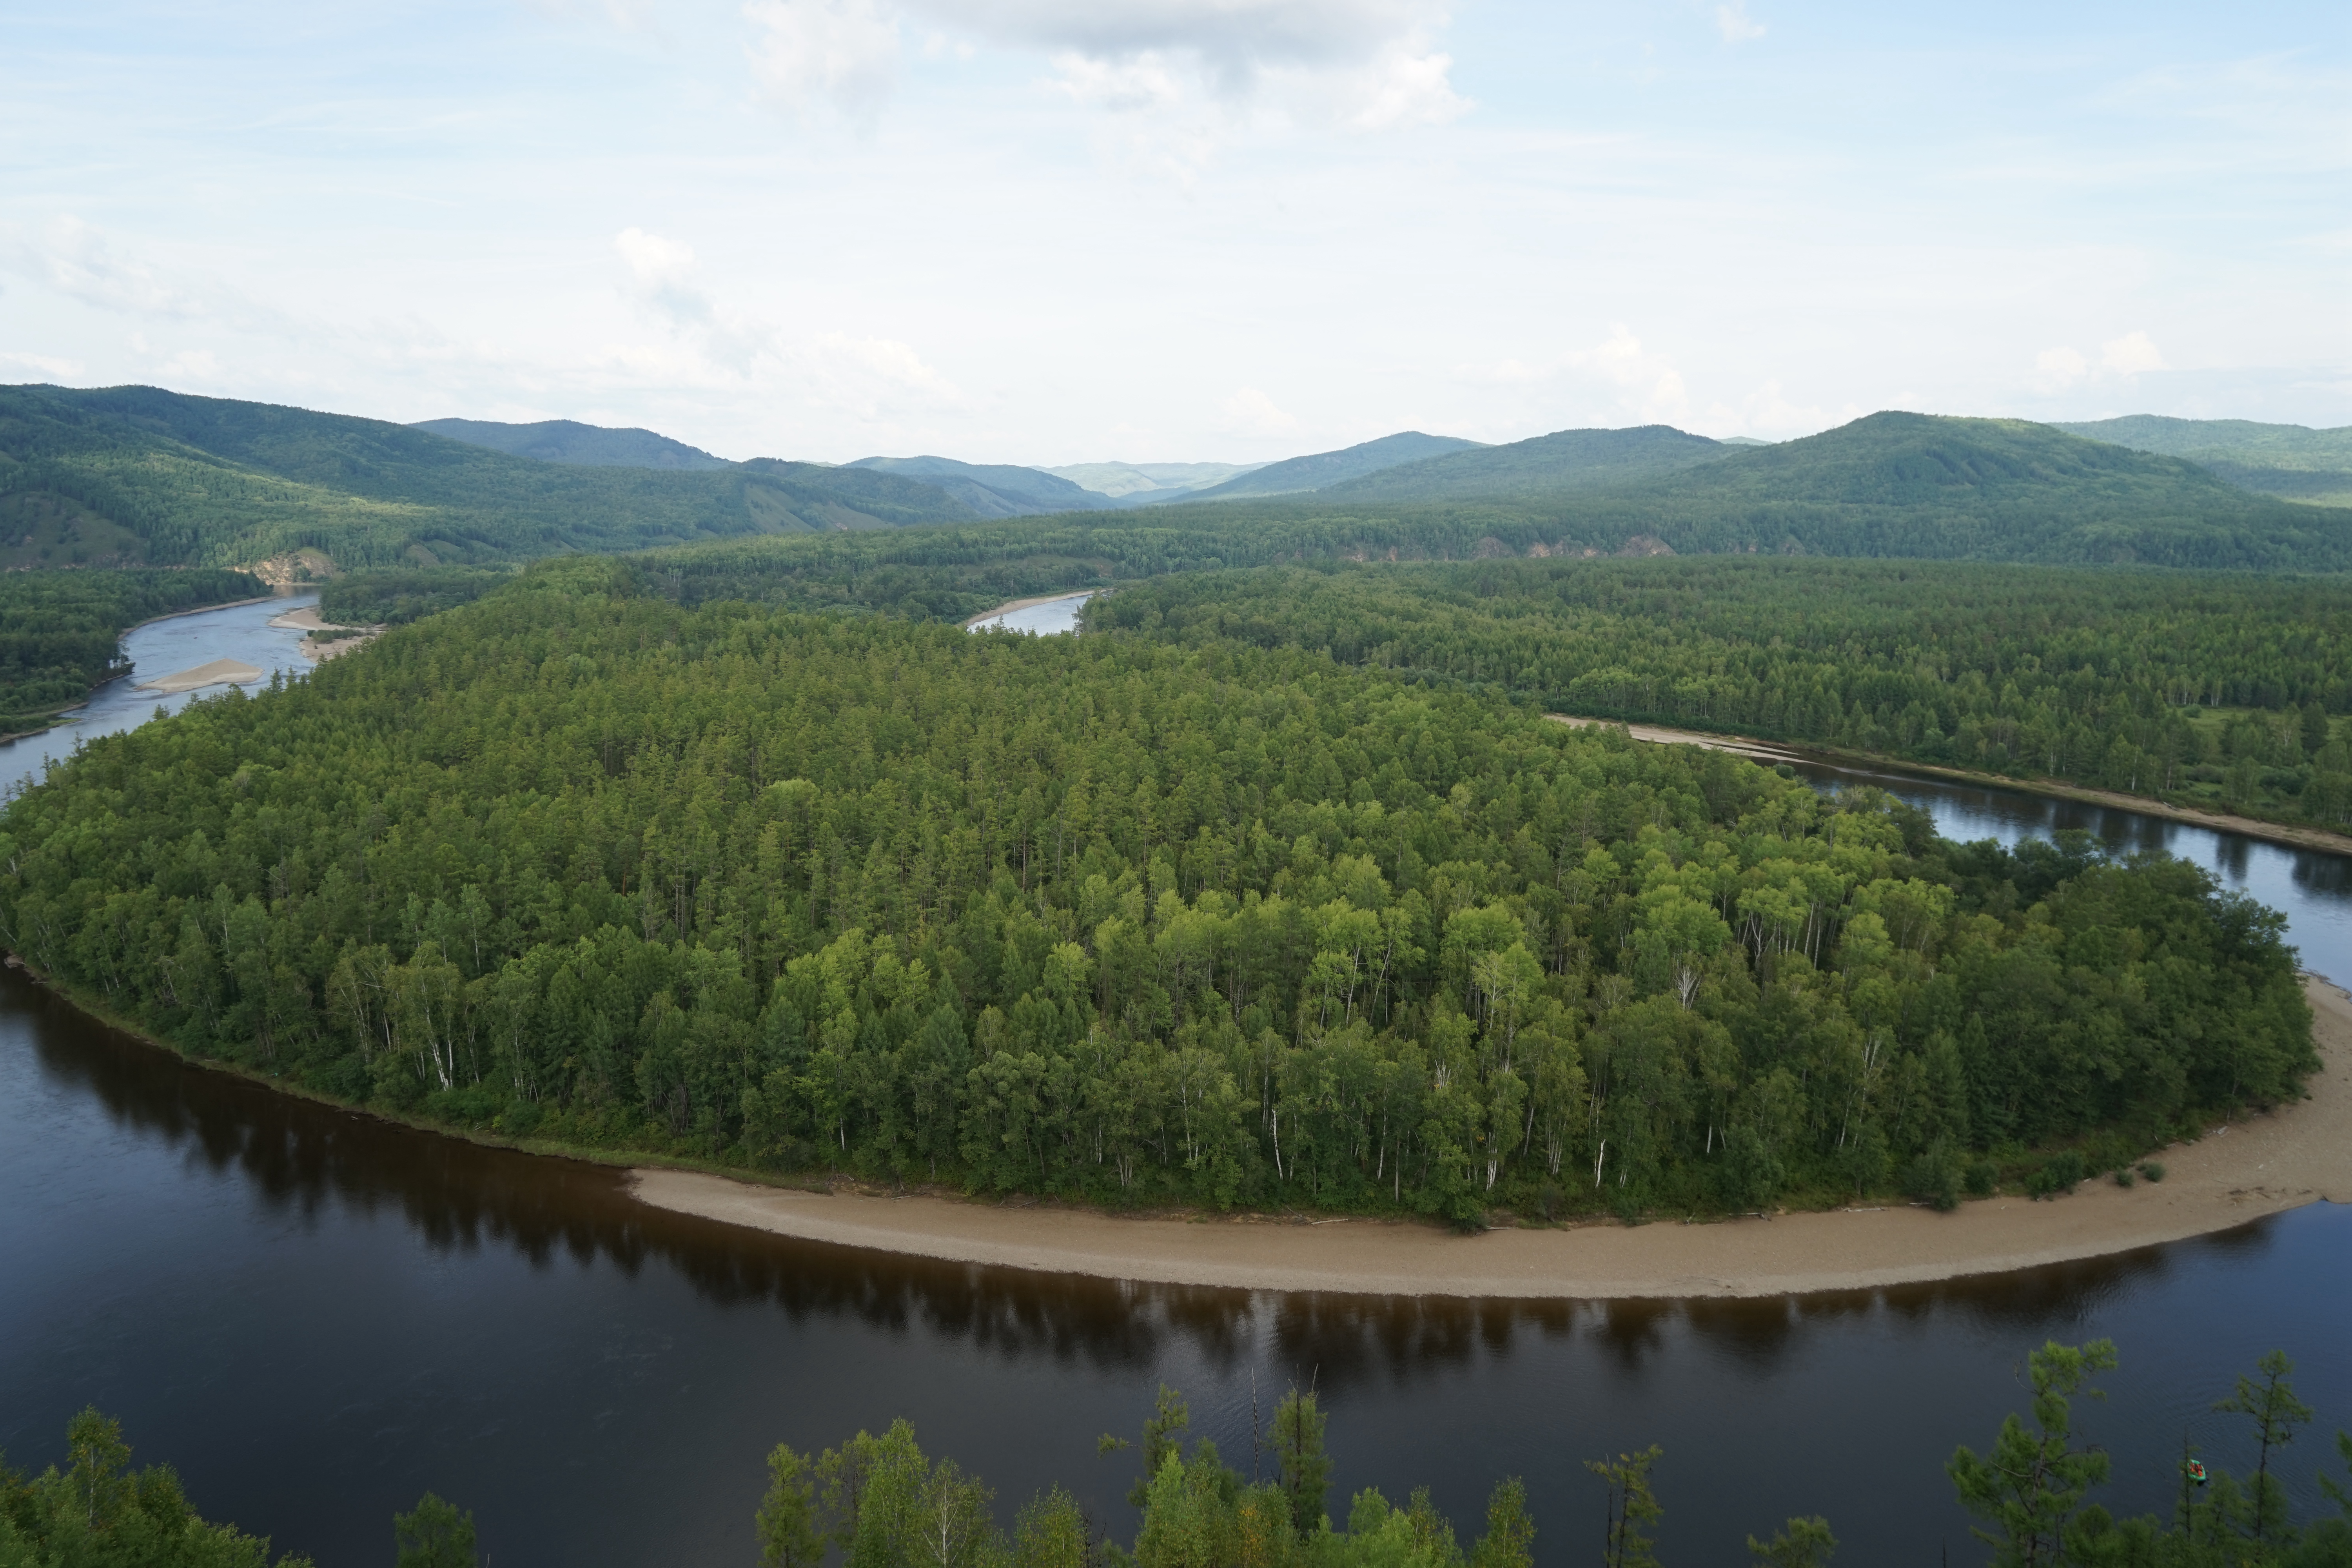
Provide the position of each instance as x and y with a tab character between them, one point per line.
787	1522
1106	917
101	1513
1800	1543
1304	1465
434	1535
1633	1509
2029	1487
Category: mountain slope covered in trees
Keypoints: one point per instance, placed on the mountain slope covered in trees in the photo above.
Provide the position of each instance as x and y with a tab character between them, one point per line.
569	441
2293	461
1110	917
177	481
992	489
1318	470
1545	466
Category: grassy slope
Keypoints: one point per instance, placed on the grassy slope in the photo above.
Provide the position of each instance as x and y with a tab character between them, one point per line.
217	481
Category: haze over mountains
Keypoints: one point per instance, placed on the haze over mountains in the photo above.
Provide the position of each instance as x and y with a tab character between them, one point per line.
133	476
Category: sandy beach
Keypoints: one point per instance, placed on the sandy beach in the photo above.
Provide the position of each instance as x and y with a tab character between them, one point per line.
2238	1172
1011	605
2289	834
306	619
218	672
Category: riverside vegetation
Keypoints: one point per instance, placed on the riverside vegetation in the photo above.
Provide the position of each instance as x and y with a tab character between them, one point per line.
60	631
1121	919
2210	689
882	1502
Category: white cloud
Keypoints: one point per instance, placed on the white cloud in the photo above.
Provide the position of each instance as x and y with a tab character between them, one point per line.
1646	384
837	54
63	369
2055	370
1249	412
76	260
1736	24
2133	354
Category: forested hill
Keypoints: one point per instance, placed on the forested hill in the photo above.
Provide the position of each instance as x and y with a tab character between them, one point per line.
1112	918
569	441
1318	470
2289	460
1545	466
993	490
160	478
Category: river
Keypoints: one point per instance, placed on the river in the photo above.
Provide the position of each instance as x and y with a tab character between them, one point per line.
317	1316
160	647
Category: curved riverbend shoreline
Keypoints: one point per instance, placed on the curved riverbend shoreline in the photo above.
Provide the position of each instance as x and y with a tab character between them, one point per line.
1768	752
1010	605
2259	1165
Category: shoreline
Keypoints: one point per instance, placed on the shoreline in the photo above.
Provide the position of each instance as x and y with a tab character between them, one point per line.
2240	1171
64	716
2291	836
1006	609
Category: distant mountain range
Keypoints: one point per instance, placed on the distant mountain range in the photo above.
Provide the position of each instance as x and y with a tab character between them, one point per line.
131	476
1320	470
2289	460
568	441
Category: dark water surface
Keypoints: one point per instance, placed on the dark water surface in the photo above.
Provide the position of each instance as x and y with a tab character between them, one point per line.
317	1316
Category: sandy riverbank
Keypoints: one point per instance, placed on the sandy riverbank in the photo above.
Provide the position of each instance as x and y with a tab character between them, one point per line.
217	672
307	620
1773	751
1007	608
2263	1164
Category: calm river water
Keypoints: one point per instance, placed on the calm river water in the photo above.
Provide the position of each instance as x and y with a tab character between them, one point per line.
316	1317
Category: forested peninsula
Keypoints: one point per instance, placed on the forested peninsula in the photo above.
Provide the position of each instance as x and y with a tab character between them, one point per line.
1118	917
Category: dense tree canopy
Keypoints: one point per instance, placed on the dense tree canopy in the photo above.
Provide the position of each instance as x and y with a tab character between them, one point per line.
2103	678
1108	915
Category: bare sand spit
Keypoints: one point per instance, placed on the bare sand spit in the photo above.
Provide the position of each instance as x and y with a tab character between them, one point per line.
2285	833
306	619
1010	605
219	672
2236	1172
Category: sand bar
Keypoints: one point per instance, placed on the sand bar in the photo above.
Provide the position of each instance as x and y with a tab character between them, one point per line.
2289	834
1007	608
219	672
2301	1153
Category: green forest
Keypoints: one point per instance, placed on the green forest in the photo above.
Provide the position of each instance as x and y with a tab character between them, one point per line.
1116	918
883	1502
146	477
2208	690
60	632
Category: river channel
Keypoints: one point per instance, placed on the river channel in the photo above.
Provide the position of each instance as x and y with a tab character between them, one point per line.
317	1316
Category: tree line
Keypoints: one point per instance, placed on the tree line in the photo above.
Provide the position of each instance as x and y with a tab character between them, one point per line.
883	1502
2097	678
61	631
1114	917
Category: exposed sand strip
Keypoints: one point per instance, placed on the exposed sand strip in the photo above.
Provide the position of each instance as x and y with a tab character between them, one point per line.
1007	608
2256	1166
2290	833
219	672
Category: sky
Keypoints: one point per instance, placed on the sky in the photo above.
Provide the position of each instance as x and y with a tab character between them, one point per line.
1063	231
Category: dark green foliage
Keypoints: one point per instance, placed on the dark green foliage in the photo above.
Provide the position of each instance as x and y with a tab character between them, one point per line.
1633	1509
60	632
2095	678
2030	1488
1104	916
2058	1176
434	1535
200	479
396	596
99	1513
